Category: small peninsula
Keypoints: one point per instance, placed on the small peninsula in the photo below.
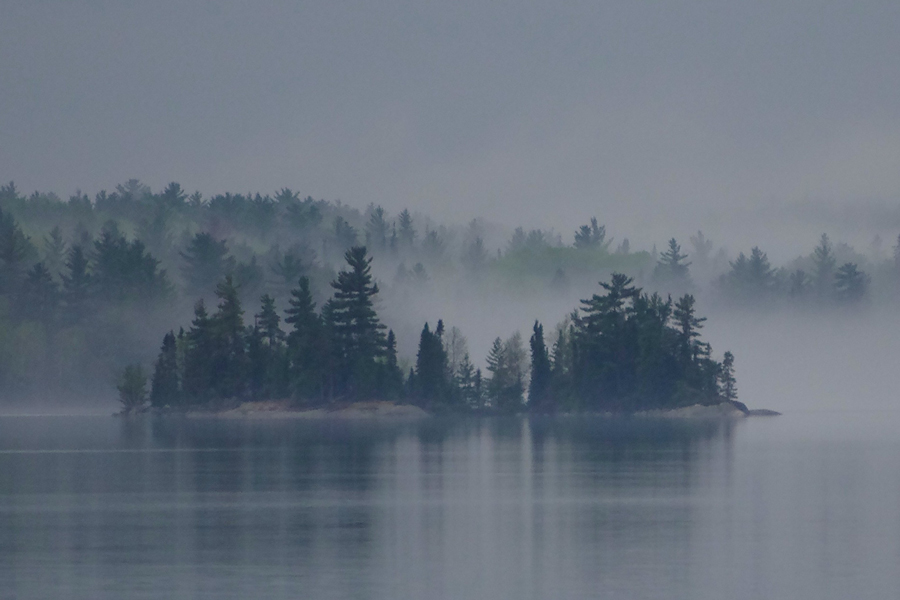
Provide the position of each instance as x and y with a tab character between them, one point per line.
621	352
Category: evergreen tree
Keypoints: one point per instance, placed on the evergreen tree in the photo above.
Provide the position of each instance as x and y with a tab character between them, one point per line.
76	285
308	349
431	367
727	381
54	250
391	387
229	342
198	356
164	389
672	268
851	284
15	250
592	236
824	263
206	261
407	232
267	354
133	389
344	233
39	295
377	228
539	393
358	334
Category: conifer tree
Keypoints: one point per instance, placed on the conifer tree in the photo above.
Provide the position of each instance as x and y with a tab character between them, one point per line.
308	349
164	389
229	342
824	263
539	393
198	356
431	366
358	334
672	268
39	295
727	381
391	388
206	261
407	232
76	285
851	284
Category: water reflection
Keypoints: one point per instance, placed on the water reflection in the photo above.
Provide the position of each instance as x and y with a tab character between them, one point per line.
455	508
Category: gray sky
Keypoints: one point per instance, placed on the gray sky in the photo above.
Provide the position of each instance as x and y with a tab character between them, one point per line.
540	113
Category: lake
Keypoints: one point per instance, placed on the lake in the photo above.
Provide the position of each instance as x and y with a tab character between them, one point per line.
806	505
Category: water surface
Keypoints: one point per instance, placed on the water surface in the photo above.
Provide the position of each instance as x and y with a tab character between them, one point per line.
800	506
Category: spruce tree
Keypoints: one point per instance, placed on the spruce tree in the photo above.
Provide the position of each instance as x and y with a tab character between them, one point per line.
229	342
824	263
76	285
539	392
407	232
431	367
358	334
164	389
672	268
206	261
198	357
727	381
308	350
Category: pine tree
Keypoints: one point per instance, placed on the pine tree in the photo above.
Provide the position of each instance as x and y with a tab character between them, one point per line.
431	367
407	233
206	262
358	334
308	350
727	382
672	268
539	393
164	389
851	285
824	263
54	251
198	356
39	295
392	385
377	228
15	250
229	342
76	285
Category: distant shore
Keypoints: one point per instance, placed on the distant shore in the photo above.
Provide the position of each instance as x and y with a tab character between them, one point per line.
276	410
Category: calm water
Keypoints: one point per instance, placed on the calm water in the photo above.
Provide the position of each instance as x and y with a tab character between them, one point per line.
801	506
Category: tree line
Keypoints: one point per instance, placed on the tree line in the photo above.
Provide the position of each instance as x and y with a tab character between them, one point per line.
621	351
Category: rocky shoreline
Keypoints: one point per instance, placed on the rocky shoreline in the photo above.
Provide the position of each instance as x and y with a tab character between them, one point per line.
383	409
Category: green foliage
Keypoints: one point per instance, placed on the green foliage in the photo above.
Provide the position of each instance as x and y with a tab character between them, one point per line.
133	389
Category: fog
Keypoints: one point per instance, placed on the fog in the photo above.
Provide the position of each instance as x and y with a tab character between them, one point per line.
762	125
658	119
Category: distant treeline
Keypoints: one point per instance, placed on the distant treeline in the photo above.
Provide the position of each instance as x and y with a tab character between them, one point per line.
87	285
622	351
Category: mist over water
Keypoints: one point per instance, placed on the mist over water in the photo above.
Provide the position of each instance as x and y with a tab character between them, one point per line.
803	506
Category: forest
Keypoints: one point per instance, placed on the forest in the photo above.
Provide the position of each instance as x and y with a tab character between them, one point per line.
89	287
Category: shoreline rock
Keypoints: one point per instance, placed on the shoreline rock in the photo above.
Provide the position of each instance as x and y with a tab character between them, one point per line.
286	410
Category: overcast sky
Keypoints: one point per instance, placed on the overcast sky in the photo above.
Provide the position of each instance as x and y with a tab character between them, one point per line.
540	113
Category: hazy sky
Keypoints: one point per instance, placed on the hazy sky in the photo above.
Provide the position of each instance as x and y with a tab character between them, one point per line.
535	112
